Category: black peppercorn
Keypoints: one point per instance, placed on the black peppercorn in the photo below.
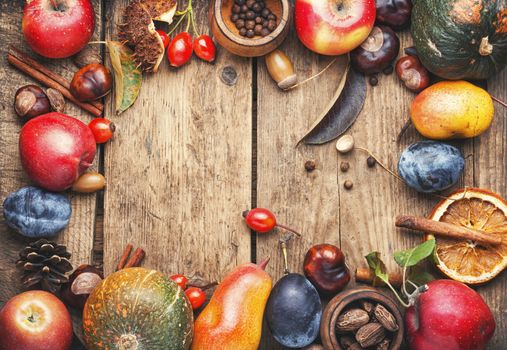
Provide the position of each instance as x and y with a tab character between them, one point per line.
388	70
250	33
371	162
250	24
250	3
344	166
272	17
310	165
373	80
240	2
234	17
258	29
240	23
242	31
244	8
261	4
242	16
236	9
250	15
271	25
265	32
257	7
258	20
266	12
348	184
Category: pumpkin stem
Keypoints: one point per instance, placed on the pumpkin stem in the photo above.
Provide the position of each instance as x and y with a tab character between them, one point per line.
128	342
485	49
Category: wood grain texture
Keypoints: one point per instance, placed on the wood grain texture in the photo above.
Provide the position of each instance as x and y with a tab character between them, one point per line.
179	168
305	201
79	235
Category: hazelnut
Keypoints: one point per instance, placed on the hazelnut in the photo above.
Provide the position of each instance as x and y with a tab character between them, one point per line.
30	101
81	283
91	82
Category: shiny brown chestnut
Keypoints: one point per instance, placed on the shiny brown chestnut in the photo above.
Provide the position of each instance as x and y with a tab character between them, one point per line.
30	101
394	13
81	283
377	52
413	74
91	82
325	267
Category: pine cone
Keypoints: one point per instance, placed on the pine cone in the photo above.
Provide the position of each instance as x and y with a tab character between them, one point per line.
45	265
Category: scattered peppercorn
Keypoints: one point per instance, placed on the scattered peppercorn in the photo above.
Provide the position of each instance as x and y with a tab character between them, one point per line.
252	17
371	162
344	166
348	184
373	80
389	70
310	165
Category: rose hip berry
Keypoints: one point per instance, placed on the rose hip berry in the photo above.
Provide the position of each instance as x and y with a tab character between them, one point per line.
102	129
262	220
204	48
180	49
196	297
180	280
165	38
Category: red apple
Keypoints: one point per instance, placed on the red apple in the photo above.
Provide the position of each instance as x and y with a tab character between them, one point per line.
55	150
35	320
333	27
449	316
58	28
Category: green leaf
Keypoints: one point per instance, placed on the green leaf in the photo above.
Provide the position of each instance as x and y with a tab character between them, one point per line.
413	256
378	266
421	277
127	76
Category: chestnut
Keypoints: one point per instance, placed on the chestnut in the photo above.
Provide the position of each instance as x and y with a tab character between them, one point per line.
30	101
325	267
91	82
413	74
394	13
377	52
81	283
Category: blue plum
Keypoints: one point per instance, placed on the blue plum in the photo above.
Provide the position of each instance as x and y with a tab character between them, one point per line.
293	311
430	166
35	212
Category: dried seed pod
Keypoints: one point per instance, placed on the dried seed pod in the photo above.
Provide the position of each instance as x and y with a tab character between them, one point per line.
281	69
56	100
87	56
370	334
367	306
385	318
345	144
30	101
352	320
89	183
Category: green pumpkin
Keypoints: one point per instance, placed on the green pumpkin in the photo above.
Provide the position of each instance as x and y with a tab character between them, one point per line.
137	309
461	39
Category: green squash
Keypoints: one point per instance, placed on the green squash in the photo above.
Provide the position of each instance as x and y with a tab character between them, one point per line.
461	39
137	309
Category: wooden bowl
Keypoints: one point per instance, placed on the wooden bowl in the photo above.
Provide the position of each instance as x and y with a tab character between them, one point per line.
227	35
344	299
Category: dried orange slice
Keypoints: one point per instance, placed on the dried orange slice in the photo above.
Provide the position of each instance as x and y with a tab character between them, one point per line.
467	261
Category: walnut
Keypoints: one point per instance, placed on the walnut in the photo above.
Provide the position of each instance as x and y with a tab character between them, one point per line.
352	320
385	318
370	334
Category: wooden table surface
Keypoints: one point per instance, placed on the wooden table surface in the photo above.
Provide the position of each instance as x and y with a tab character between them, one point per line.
193	153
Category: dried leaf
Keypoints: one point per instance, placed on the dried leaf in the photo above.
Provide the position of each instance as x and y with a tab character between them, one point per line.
128	78
342	110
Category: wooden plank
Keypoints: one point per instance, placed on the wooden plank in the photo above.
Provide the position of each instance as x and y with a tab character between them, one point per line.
79	235
179	168
490	172
306	201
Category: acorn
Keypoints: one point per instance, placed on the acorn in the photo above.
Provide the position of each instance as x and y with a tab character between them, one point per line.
281	69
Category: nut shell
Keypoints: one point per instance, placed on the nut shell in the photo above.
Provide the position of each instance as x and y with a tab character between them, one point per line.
30	101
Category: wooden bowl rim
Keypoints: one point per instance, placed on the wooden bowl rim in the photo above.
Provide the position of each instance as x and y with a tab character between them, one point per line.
342	300
247	41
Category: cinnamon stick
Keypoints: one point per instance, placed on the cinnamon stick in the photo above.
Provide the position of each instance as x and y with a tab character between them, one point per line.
136	259
446	229
47	81
124	257
365	275
52	75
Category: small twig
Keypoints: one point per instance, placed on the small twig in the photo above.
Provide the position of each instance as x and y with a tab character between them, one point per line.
498	101
404	128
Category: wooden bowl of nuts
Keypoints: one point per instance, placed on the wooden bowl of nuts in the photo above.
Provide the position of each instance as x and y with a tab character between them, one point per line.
362	318
249	28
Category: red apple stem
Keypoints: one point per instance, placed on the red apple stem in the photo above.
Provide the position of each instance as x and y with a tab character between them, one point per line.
264	263
289	229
